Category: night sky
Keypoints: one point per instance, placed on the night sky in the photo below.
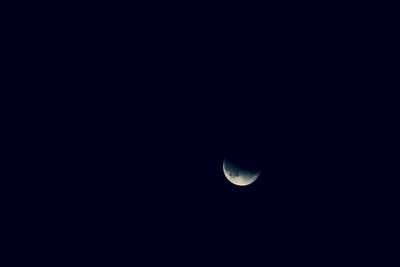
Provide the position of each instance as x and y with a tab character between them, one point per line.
155	178
152	121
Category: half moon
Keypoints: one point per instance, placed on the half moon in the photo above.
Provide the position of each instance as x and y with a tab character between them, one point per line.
239	176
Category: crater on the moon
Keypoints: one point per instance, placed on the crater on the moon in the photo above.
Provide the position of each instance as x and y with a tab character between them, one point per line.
231	169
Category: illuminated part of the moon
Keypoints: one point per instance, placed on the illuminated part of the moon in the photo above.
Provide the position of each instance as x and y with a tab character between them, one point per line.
239	176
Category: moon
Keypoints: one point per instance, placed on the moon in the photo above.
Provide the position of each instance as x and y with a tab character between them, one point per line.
239	176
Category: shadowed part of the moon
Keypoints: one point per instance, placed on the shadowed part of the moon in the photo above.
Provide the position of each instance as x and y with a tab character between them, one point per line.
239	176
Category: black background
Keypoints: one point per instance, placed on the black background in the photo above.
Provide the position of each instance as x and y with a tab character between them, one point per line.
147	110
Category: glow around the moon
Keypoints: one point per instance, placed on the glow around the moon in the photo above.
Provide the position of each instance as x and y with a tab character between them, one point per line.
239	176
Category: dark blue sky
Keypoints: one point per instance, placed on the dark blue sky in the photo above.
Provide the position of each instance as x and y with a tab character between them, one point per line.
154	118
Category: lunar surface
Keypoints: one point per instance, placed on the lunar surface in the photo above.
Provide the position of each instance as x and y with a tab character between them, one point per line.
239	176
